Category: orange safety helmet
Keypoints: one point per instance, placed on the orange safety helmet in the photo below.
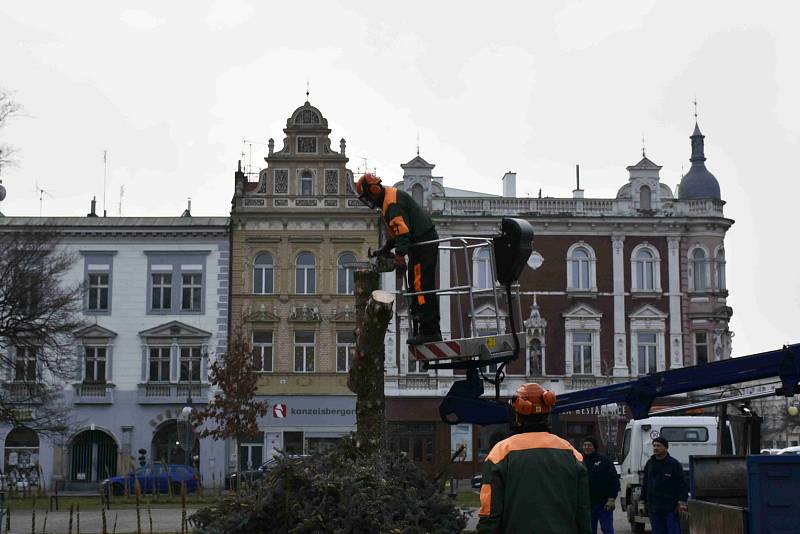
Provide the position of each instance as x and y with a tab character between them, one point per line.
369	183
533	399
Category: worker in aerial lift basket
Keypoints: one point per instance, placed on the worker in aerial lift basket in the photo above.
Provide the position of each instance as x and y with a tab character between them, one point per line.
534	481
407	224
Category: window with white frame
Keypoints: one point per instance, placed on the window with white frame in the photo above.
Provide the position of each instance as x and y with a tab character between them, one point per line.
25	366
647	352
700	348
582	340
305	273
645	268
581	268
161	291
720	269
263	272
251	452
482	269
415	366
699	269
159	363
306	184
191	291
304	342
98	292
262	351
191	360
94	366
345	284
345	349
582	353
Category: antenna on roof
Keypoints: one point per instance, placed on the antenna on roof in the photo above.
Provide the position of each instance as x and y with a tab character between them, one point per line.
121	193
417	143
105	172
643	147
695	108
42	192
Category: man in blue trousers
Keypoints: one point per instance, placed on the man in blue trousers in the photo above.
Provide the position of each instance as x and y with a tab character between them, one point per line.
664	491
603	486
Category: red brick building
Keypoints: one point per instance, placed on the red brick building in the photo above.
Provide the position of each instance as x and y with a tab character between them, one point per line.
616	288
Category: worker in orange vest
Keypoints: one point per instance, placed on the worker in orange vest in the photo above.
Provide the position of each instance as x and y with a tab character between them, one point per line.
534	481
408	224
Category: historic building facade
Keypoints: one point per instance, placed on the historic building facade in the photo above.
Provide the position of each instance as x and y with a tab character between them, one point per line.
297	230
615	289
155	307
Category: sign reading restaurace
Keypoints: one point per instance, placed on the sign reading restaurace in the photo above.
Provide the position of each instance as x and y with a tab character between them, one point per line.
311	410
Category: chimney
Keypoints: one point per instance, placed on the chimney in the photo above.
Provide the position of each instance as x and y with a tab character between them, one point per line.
94	208
577	192
510	184
188	211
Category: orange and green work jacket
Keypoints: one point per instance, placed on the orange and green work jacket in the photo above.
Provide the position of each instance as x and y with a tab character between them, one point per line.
534	482
404	218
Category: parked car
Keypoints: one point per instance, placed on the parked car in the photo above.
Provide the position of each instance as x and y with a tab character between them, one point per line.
250	475
789	450
158	477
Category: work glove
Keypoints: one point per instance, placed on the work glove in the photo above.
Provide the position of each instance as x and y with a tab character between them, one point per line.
400	266
610	505
643	508
681	508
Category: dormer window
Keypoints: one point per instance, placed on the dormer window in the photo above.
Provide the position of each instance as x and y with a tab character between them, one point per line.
306	188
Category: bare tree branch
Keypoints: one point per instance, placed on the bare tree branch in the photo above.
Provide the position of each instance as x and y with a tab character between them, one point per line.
39	315
8	109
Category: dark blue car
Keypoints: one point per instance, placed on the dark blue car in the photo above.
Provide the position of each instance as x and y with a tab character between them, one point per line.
156	477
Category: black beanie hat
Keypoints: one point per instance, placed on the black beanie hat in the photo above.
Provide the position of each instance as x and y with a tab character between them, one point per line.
662	441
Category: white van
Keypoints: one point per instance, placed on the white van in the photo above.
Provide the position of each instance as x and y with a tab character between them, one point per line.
687	436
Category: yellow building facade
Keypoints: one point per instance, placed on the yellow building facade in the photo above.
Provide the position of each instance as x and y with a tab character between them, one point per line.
296	229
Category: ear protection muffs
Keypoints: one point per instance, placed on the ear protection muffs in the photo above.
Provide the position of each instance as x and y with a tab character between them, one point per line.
533	399
369	183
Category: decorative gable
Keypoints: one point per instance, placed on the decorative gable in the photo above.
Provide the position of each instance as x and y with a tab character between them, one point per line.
175	329
94	330
262	316
305	314
648	311
582	311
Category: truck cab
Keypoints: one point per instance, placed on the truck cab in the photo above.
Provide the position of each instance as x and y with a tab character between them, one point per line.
687	436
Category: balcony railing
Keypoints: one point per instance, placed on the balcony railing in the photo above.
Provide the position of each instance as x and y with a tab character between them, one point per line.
586	207
417	382
23	392
166	393
88	393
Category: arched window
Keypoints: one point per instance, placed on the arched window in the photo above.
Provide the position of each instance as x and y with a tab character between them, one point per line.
720	268
700	268
645	269
305	274
581	268
306	184
482	275
417	193
344	274
645	196
263	274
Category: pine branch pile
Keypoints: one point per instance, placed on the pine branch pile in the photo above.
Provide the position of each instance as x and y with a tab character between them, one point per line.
341	491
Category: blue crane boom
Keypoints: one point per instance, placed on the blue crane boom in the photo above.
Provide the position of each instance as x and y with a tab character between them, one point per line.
463	405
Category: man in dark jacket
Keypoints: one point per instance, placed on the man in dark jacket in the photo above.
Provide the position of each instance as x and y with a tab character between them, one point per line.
408	224
534	481
664	490
603	486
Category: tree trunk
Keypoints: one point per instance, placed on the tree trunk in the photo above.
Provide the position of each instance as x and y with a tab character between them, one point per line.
373	313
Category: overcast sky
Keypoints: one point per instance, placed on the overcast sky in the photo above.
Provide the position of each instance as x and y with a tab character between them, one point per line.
171	89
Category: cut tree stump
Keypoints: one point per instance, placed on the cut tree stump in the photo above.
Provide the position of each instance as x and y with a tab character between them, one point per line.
374	310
